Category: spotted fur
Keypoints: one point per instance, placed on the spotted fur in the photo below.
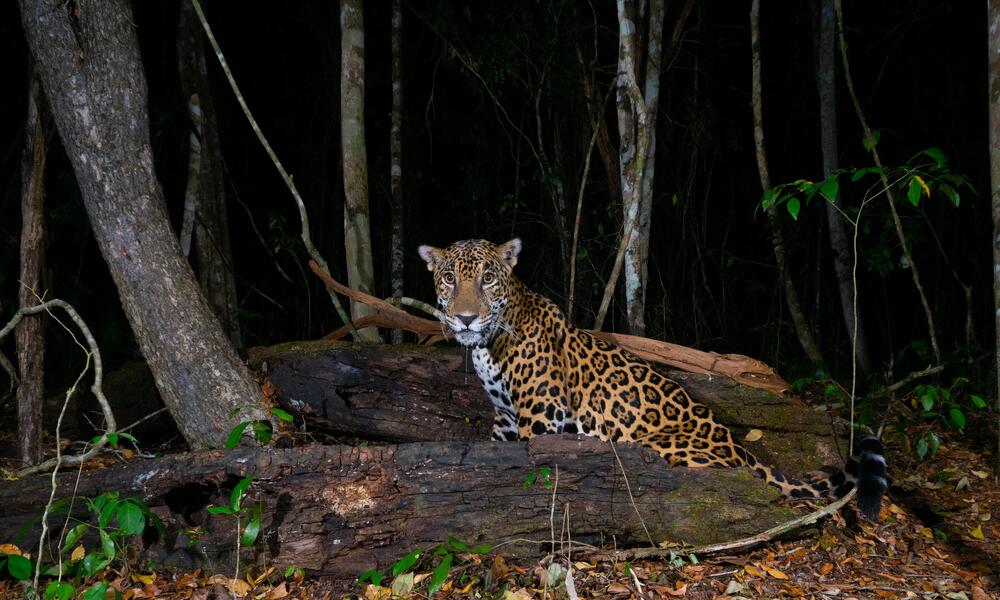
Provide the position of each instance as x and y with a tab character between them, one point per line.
544	375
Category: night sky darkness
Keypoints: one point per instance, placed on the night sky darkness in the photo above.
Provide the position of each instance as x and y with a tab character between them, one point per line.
919	68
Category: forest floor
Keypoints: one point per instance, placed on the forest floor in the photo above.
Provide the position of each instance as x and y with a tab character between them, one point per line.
938	536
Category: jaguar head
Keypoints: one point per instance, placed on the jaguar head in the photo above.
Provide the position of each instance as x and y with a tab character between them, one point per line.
474	281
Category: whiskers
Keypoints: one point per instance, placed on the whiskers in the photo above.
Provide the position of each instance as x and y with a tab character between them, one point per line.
505	326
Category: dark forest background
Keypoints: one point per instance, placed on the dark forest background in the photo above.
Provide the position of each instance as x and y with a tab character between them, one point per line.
919	69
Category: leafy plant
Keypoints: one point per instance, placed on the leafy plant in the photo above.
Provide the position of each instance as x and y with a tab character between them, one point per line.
262	429
944	405
402	570
247	518
542	474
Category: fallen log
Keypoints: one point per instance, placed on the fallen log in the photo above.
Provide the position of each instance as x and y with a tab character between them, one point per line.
338	510
404	393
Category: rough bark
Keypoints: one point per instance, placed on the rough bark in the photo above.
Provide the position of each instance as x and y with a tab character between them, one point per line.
212	247
88	60
30	333
414	393
636	260
337	511
840	242
396	160
993	64
633	133
357	231
802	330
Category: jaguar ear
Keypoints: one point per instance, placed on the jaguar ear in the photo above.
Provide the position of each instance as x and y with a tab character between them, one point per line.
508	252
430	254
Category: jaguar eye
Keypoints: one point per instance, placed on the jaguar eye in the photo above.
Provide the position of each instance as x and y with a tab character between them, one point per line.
449	278
489	278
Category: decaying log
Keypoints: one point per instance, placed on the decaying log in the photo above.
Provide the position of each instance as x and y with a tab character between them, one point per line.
337	510
743	369
417	393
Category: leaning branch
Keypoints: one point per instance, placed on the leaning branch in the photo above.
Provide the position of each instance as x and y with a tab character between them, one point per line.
742	369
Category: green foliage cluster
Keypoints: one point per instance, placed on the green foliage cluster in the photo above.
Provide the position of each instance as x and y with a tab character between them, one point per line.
114	520
402	571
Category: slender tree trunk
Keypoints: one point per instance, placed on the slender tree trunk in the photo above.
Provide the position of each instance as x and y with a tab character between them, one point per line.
637	257
840	242
357	231
206	181
633	132
396	159
777	239
30	333
994	107
88	61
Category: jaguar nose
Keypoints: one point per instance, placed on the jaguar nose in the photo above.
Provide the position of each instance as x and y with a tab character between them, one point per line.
467	319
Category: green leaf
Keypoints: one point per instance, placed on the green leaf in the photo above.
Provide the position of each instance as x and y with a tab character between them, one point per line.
128	436
107	511
219	510
373	575
927	401
439	575
481	549
130	519
402	565
74	536
957	417
793	208
235	434
936	155
59	590
236	497
284	415
18	567
829	188
457	544
107	545
952	194
529	479
922	447
871	142
251	531
977	401
97	592
769	198
263	431
913	192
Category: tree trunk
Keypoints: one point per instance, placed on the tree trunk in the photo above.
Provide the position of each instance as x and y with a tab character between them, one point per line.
357	231
636	261
30	333
212	247
338	511
633	132
396	160
88	60
994	107
805	336
840	243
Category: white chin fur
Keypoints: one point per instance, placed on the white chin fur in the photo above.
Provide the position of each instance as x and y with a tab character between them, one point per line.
468	338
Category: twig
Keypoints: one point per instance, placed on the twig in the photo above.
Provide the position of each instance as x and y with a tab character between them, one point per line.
838	6
904	381
576	223
303	217
735	545
93	353
630	497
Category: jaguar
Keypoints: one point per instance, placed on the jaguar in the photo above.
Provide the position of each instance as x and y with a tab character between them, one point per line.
543	375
